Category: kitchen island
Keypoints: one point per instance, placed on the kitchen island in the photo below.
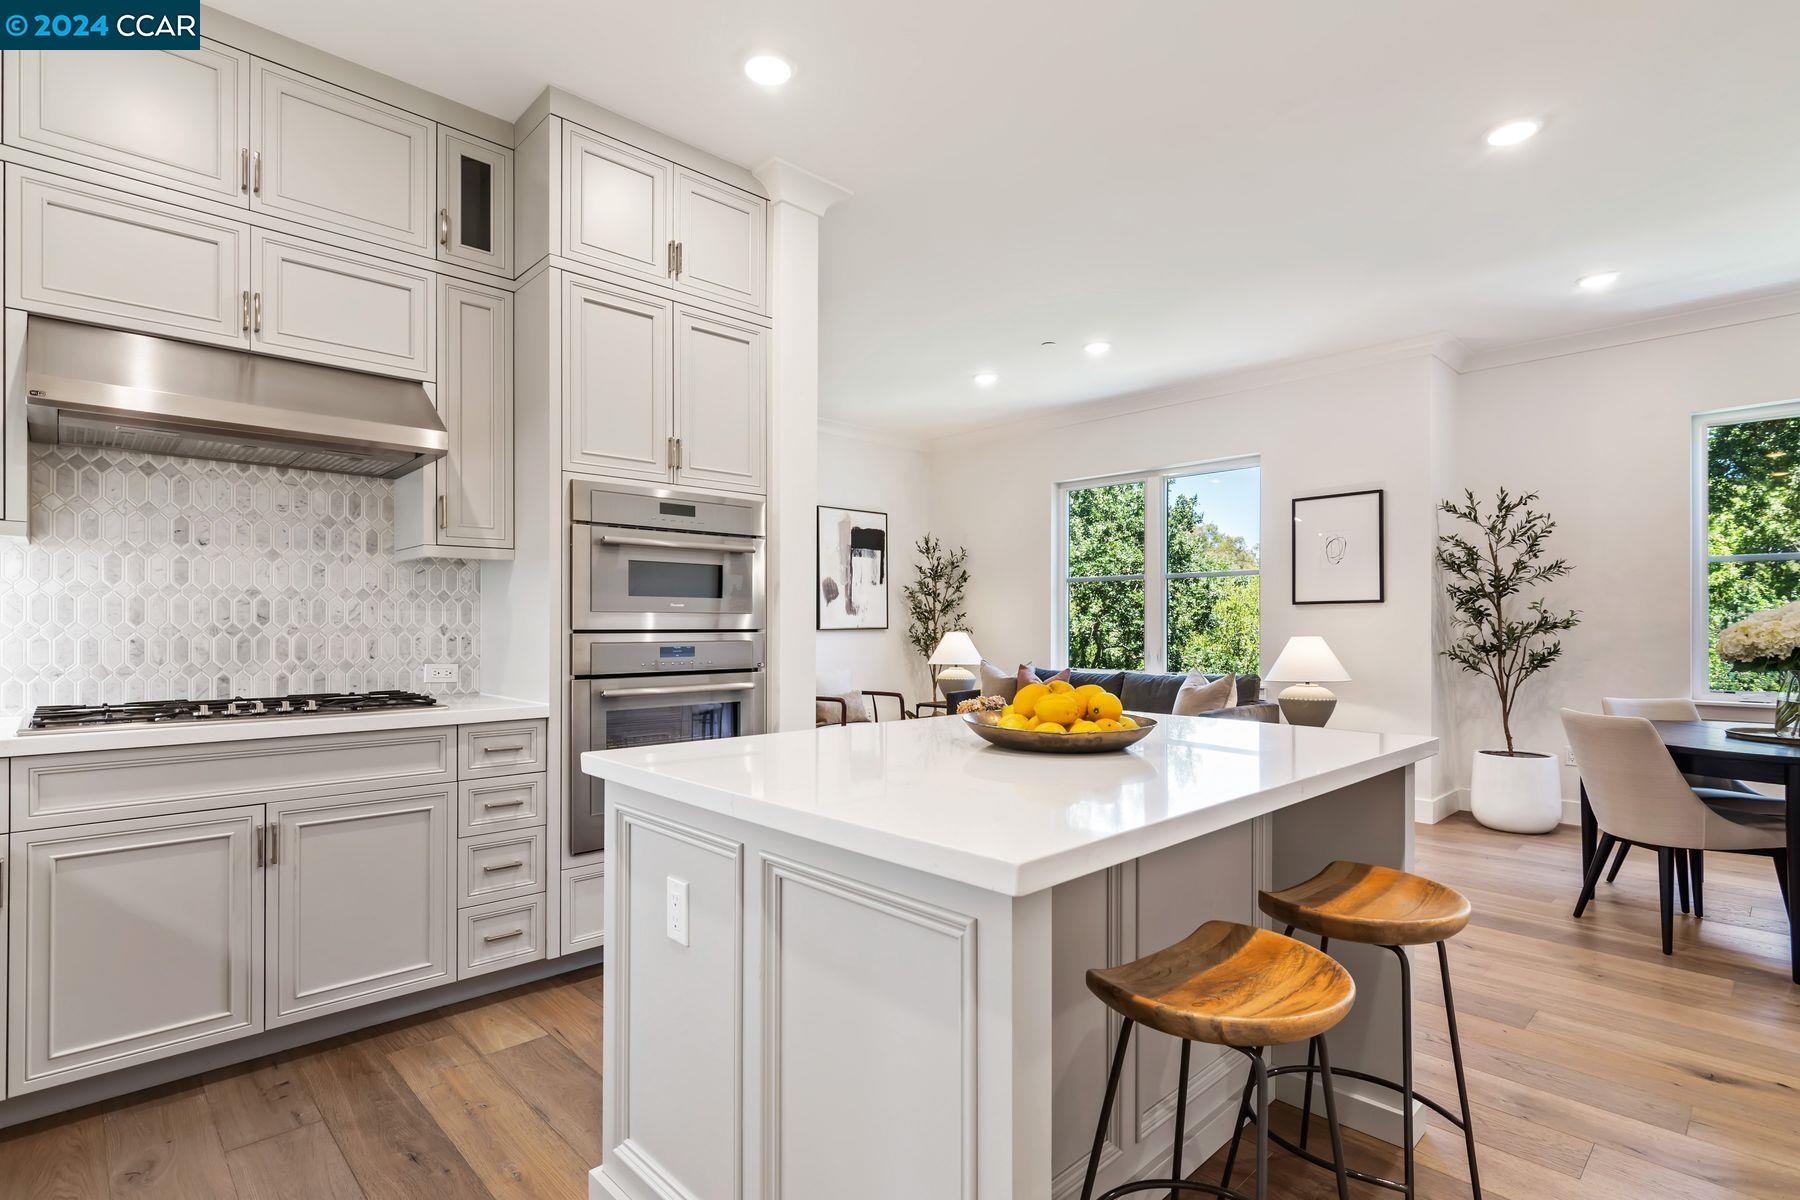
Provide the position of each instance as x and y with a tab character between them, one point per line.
851	961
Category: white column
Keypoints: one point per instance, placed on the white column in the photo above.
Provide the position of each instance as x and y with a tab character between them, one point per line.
798	199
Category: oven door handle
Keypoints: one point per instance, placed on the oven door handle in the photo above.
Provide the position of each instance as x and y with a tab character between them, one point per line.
687	689
608	539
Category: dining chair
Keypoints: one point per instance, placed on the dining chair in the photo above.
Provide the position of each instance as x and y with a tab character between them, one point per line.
1719	792
1639	796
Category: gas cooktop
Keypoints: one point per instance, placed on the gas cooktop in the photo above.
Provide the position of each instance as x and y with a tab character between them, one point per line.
48	718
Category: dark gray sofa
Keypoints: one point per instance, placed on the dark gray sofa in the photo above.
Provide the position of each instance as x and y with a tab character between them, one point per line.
1148	692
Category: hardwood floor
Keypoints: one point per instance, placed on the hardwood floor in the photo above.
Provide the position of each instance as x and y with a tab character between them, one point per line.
1600	1069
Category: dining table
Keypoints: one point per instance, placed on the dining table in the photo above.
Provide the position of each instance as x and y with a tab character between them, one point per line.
1705	748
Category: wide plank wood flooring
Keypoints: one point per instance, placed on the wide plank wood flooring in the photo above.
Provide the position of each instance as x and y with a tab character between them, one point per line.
1600	1069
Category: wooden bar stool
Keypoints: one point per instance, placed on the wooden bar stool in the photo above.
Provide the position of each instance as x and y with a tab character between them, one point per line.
1227	985
1379	906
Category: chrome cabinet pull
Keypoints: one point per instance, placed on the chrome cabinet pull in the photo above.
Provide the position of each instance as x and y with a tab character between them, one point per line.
244	170
256	311
256	171
490	805
669	454
677	454
671	259
443	514
680	259
246	311
510	747
502	937
508	865
443	227
274	843
261	851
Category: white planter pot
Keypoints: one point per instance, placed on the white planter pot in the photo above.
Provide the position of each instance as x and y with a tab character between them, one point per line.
1519	793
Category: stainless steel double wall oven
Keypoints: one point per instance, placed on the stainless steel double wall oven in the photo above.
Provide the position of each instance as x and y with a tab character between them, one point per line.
666	611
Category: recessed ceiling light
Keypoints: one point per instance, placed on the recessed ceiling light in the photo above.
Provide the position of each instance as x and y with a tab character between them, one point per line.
1096	349
1597	282
1514	132
986	379
770	70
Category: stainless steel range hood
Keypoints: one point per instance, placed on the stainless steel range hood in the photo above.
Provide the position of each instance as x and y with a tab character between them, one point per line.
99	387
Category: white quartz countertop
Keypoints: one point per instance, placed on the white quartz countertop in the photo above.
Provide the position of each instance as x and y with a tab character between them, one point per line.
450	710
932	796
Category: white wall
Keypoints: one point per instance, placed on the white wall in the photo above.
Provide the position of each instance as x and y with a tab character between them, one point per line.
860	471
1606	436
1368	426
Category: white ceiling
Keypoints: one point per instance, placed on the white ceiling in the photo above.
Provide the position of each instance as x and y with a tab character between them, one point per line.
1207	184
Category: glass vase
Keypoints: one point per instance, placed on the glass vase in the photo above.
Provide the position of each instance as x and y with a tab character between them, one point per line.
1787	705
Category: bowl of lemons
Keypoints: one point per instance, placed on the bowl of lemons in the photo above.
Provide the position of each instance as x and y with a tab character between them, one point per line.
1055	718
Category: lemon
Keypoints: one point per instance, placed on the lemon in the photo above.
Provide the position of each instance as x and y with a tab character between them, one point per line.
1084	727
1059	707
1105	705
1025	702
1106	724
1060	685
1127	723
1085	694
1013	720
1049	727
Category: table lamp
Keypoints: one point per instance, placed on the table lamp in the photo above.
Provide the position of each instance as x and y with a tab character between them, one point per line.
955	654
1311	661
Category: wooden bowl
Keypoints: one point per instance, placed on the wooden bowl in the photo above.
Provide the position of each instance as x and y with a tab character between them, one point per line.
987	726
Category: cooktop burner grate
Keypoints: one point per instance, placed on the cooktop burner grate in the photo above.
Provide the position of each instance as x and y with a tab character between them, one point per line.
158	712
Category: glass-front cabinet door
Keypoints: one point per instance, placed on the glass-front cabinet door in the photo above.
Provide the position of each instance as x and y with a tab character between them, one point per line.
474	197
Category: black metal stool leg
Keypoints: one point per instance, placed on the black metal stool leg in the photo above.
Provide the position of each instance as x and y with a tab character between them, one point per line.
1237	1128
1462	1085
1112	1086
1180	1113
1306	1108
1331	1117
1406	1052
1261	1072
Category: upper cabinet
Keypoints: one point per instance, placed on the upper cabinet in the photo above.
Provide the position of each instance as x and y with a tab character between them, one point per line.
172	117
628	211
720	250
474	202
339	308
332	158
721	402
616	399
615	205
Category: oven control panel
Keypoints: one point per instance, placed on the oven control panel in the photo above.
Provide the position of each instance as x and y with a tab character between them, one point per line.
637	654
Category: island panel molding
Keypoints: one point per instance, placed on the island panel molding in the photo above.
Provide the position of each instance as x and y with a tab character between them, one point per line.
860	1038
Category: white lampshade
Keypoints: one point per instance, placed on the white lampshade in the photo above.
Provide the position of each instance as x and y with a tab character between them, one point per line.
957	649
1309	660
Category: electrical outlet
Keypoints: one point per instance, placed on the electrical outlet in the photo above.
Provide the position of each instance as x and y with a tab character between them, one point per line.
439	673
1568	756
678	911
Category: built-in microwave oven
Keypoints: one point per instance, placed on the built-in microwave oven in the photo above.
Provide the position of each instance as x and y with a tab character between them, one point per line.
654	559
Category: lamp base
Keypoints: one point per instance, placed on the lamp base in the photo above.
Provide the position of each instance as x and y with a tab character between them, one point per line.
956	679
1306	704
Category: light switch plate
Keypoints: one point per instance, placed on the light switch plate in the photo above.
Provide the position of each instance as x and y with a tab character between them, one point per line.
678	911
439	673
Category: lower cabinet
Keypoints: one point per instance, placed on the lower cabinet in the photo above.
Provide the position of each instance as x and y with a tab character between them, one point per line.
502	934
584	907
133	940
359	899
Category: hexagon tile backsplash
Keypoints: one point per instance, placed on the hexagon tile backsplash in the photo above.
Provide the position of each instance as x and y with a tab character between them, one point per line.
152	578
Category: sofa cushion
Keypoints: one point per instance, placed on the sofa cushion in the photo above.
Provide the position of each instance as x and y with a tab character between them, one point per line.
1204	693
1142	691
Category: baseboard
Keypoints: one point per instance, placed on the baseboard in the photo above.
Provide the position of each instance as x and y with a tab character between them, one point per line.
81	1092
1362	1106
1430	810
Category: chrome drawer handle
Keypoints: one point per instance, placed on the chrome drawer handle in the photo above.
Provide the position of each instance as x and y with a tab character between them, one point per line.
501	937
515	747
490	805
504	866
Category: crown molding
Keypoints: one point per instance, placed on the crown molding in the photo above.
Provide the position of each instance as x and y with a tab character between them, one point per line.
789	184
867	433
1693	320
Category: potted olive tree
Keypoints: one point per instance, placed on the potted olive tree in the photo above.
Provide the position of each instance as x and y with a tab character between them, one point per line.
1490	562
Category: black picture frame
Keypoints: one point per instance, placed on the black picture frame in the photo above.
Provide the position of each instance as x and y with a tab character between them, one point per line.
1380	518
820	603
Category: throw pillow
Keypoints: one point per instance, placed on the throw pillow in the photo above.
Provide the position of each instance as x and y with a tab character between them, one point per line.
855	710
1199	694
998	681
1028	675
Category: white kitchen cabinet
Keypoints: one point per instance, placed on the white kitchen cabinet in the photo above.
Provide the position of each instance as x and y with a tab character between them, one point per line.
616	396
132	940
721	401
330	157
360	899
15	462
491	937
5	920
474	202
615	205
172	117
584	907
720	242
79	251
499	866
333	306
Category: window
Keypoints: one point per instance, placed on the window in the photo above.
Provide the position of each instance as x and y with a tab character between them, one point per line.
1747	531
1162	572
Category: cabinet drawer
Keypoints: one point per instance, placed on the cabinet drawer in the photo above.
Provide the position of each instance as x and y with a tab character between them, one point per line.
499	866
78	251
584	907
67	789
502	934
332	306
493	805
509	748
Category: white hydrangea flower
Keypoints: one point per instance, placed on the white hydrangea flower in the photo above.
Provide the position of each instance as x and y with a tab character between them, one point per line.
1765	637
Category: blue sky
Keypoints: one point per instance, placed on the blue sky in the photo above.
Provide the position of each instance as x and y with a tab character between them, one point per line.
1232	500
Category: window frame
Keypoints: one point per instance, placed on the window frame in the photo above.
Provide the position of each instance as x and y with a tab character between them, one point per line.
1156	574
1698	632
